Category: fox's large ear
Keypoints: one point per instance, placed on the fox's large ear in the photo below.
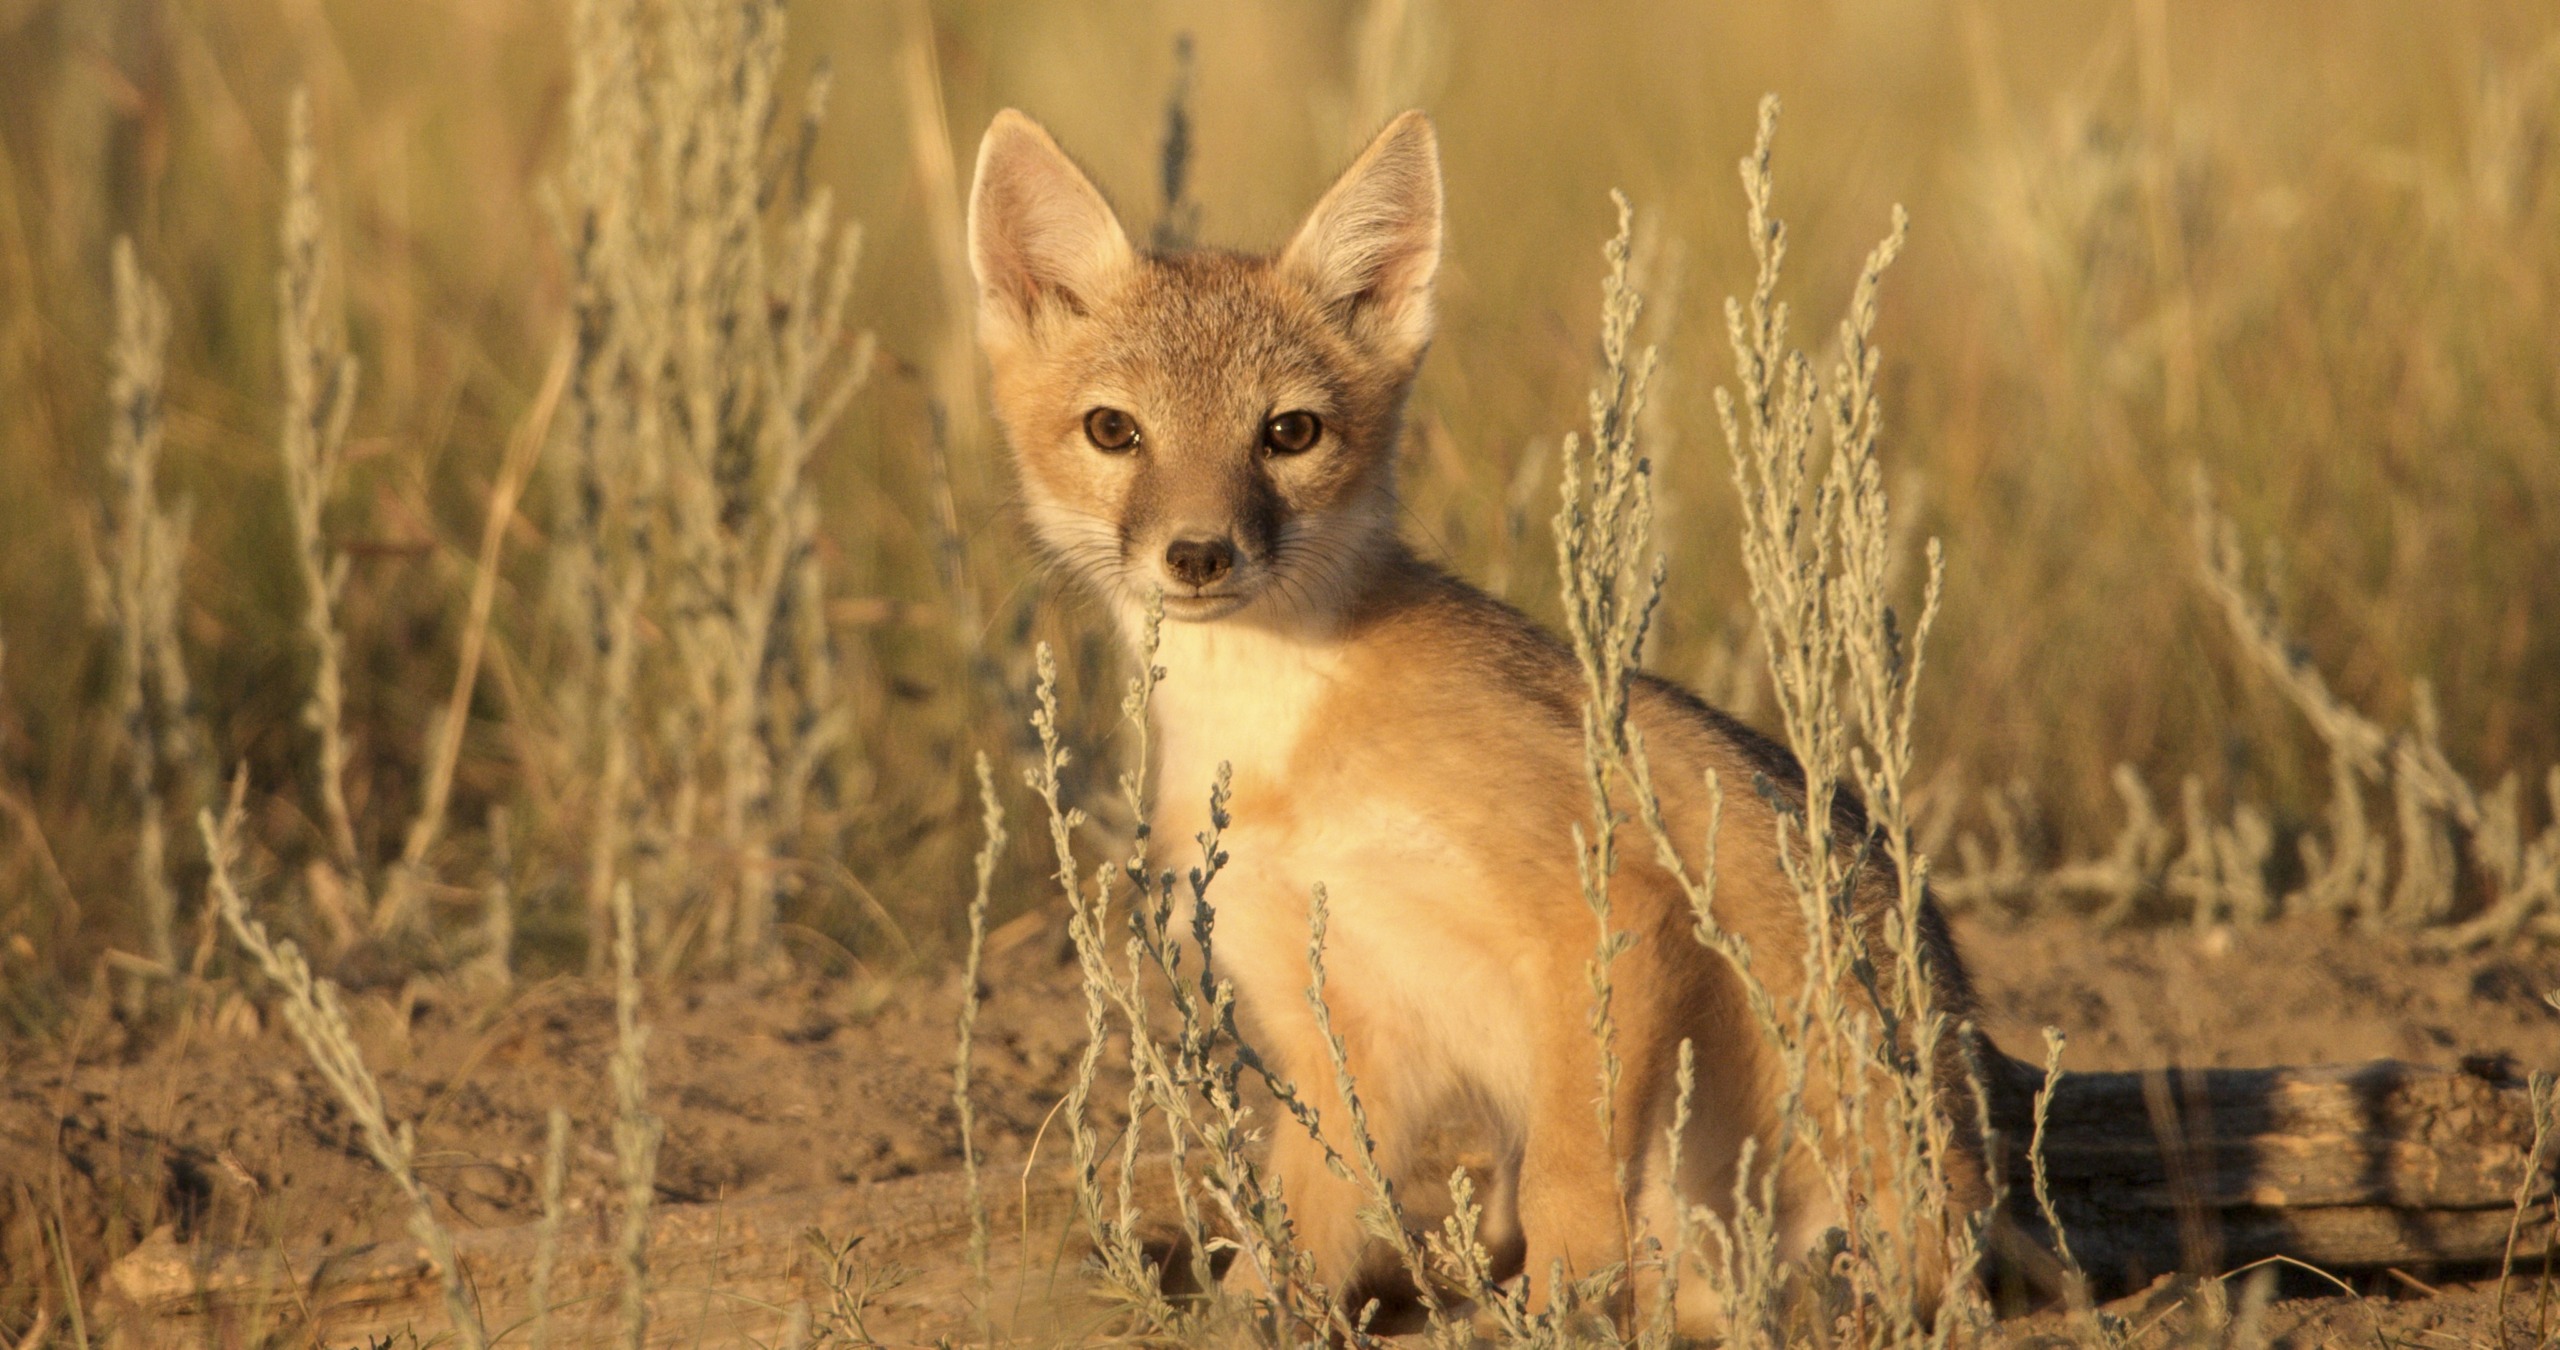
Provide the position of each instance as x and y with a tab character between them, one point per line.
1039	231
1371	247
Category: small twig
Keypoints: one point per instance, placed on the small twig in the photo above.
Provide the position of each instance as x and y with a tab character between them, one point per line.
635	1132
2540	1091
2413	1281
988	855
523	451
546	1246
319	381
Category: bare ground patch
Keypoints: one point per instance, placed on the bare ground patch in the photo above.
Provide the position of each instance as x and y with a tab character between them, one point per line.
217	1130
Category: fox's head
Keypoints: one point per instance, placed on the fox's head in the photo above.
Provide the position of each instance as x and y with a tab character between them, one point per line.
1218	425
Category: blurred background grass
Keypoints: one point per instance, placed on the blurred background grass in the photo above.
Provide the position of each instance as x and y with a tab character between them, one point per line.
2314	254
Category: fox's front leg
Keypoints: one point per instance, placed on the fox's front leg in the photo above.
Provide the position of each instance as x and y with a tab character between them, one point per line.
1324	1205
1573	1205
1324	1208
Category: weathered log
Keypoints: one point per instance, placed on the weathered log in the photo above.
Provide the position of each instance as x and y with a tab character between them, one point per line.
2350	1169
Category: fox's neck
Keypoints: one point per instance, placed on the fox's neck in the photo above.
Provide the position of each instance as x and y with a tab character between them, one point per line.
1244	690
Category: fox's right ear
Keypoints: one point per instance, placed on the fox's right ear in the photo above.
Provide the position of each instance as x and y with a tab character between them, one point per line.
1039	231
1372	245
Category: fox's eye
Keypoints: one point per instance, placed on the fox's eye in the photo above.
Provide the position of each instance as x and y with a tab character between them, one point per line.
1111	429
1291	433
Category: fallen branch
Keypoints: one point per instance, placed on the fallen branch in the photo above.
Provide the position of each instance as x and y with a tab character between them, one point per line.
2349	1167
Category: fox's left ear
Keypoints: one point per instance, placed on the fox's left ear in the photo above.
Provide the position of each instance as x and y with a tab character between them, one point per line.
1371	247
1040	235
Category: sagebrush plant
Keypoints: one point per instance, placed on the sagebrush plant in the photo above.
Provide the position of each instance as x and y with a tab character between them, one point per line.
319	1022
319	400
134	572
2166	296
653	800
320	381
317	1016
712	357
2406	316
2114	237
2459	863
1871	1061
2441	819
1187	1077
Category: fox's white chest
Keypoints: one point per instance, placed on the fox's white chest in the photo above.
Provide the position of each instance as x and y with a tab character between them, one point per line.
1408	958
1406	893
1242	697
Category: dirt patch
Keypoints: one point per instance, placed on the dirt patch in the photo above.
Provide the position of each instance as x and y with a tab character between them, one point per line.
2292	993
221	1131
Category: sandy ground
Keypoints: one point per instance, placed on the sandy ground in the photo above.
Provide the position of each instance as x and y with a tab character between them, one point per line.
222	1130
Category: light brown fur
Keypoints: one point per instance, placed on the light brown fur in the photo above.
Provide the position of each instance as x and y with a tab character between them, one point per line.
1408	742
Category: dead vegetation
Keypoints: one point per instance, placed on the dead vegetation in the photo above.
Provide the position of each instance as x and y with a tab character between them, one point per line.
701	733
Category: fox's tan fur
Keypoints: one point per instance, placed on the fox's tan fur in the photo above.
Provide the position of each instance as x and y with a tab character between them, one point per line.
1394	734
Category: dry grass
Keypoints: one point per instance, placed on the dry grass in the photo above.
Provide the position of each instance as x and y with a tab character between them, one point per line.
605	547
134	586
319	401
745	631
318	1018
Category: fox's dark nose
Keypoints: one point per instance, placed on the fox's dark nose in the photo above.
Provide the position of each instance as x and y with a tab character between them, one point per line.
1199	562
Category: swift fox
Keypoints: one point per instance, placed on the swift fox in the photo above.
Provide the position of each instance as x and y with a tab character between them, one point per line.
1223	428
